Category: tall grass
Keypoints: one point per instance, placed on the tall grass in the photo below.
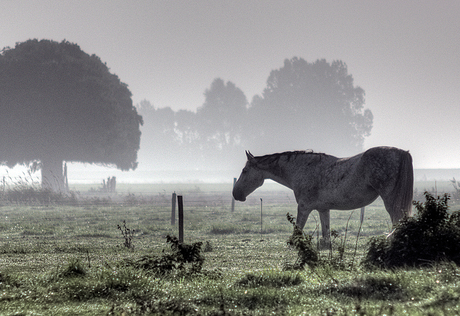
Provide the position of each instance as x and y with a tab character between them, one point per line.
28	190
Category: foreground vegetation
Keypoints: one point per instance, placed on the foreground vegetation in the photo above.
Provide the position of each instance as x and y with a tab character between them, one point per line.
117	259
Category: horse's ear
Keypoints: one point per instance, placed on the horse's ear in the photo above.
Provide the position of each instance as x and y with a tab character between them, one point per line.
249	155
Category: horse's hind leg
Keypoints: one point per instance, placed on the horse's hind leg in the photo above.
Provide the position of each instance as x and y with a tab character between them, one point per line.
395	215
325	218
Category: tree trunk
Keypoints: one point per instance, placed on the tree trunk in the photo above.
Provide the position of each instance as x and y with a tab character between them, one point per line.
52	174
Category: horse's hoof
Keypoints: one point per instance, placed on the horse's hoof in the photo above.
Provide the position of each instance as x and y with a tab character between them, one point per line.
324	244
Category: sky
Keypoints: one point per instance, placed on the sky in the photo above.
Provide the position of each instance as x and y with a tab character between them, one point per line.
404	54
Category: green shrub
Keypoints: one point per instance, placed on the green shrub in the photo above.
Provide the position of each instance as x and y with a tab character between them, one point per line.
431	236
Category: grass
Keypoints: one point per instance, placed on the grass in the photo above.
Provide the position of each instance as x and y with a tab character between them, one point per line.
64	259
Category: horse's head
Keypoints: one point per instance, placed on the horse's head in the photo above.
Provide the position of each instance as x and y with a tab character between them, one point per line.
250	179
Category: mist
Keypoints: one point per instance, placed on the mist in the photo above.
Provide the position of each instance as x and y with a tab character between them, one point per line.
403	55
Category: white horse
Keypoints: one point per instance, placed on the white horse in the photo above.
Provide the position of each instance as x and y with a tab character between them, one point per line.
323	182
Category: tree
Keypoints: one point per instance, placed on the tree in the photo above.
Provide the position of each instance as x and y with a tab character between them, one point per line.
57	104
221	119
310	105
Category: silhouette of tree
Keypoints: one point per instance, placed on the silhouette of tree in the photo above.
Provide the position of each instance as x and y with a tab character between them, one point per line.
310	105
221	119
57	104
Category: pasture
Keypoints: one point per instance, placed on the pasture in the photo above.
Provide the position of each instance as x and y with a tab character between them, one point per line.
71	258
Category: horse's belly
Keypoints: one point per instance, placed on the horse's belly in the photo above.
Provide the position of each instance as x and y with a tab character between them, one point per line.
349	201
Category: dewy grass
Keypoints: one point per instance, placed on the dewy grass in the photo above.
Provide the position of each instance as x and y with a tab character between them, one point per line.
270	278
227	229
82	267
74	268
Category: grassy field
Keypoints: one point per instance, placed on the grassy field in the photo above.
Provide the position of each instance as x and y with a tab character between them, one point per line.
72	260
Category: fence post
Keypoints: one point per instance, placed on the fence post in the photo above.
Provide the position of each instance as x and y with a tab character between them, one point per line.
261	216
233	199
181	218
173	209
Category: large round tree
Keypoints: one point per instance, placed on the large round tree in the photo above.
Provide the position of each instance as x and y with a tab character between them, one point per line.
57	104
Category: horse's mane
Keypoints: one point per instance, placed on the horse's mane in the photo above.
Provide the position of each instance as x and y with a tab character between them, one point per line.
288	155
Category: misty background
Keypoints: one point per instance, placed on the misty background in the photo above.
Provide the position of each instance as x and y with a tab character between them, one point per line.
305	105
176	56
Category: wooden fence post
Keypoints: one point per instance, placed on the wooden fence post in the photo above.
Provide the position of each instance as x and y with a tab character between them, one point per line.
173	209
233	199
261	216
181	218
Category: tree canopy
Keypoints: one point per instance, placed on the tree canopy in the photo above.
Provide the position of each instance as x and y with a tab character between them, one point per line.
221	119
310	105
57	103
221	114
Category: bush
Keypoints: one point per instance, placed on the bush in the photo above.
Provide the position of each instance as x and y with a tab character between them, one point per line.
431	236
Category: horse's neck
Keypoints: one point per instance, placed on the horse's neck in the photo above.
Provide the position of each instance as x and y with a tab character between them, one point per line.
281	179
281	171
286	172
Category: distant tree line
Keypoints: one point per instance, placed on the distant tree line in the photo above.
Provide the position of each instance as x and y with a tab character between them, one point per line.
304	106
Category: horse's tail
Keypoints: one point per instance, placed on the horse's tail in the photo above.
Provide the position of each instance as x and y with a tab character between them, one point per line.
404	188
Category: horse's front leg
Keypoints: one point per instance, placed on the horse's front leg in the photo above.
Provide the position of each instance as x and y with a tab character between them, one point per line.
302	215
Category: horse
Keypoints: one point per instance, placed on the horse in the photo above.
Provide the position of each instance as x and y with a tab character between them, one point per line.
323	182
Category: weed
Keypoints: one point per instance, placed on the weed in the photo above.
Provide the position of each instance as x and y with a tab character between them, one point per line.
456	185
306	253
208	247
184	259
128	235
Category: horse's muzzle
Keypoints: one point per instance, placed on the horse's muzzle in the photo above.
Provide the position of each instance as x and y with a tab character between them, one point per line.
238	196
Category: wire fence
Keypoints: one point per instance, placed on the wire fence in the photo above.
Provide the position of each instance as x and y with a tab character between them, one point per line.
266	207
208	213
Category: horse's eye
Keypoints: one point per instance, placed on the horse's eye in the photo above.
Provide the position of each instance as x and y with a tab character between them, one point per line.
245	170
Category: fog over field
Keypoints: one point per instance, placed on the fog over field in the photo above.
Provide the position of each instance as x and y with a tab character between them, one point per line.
180	58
